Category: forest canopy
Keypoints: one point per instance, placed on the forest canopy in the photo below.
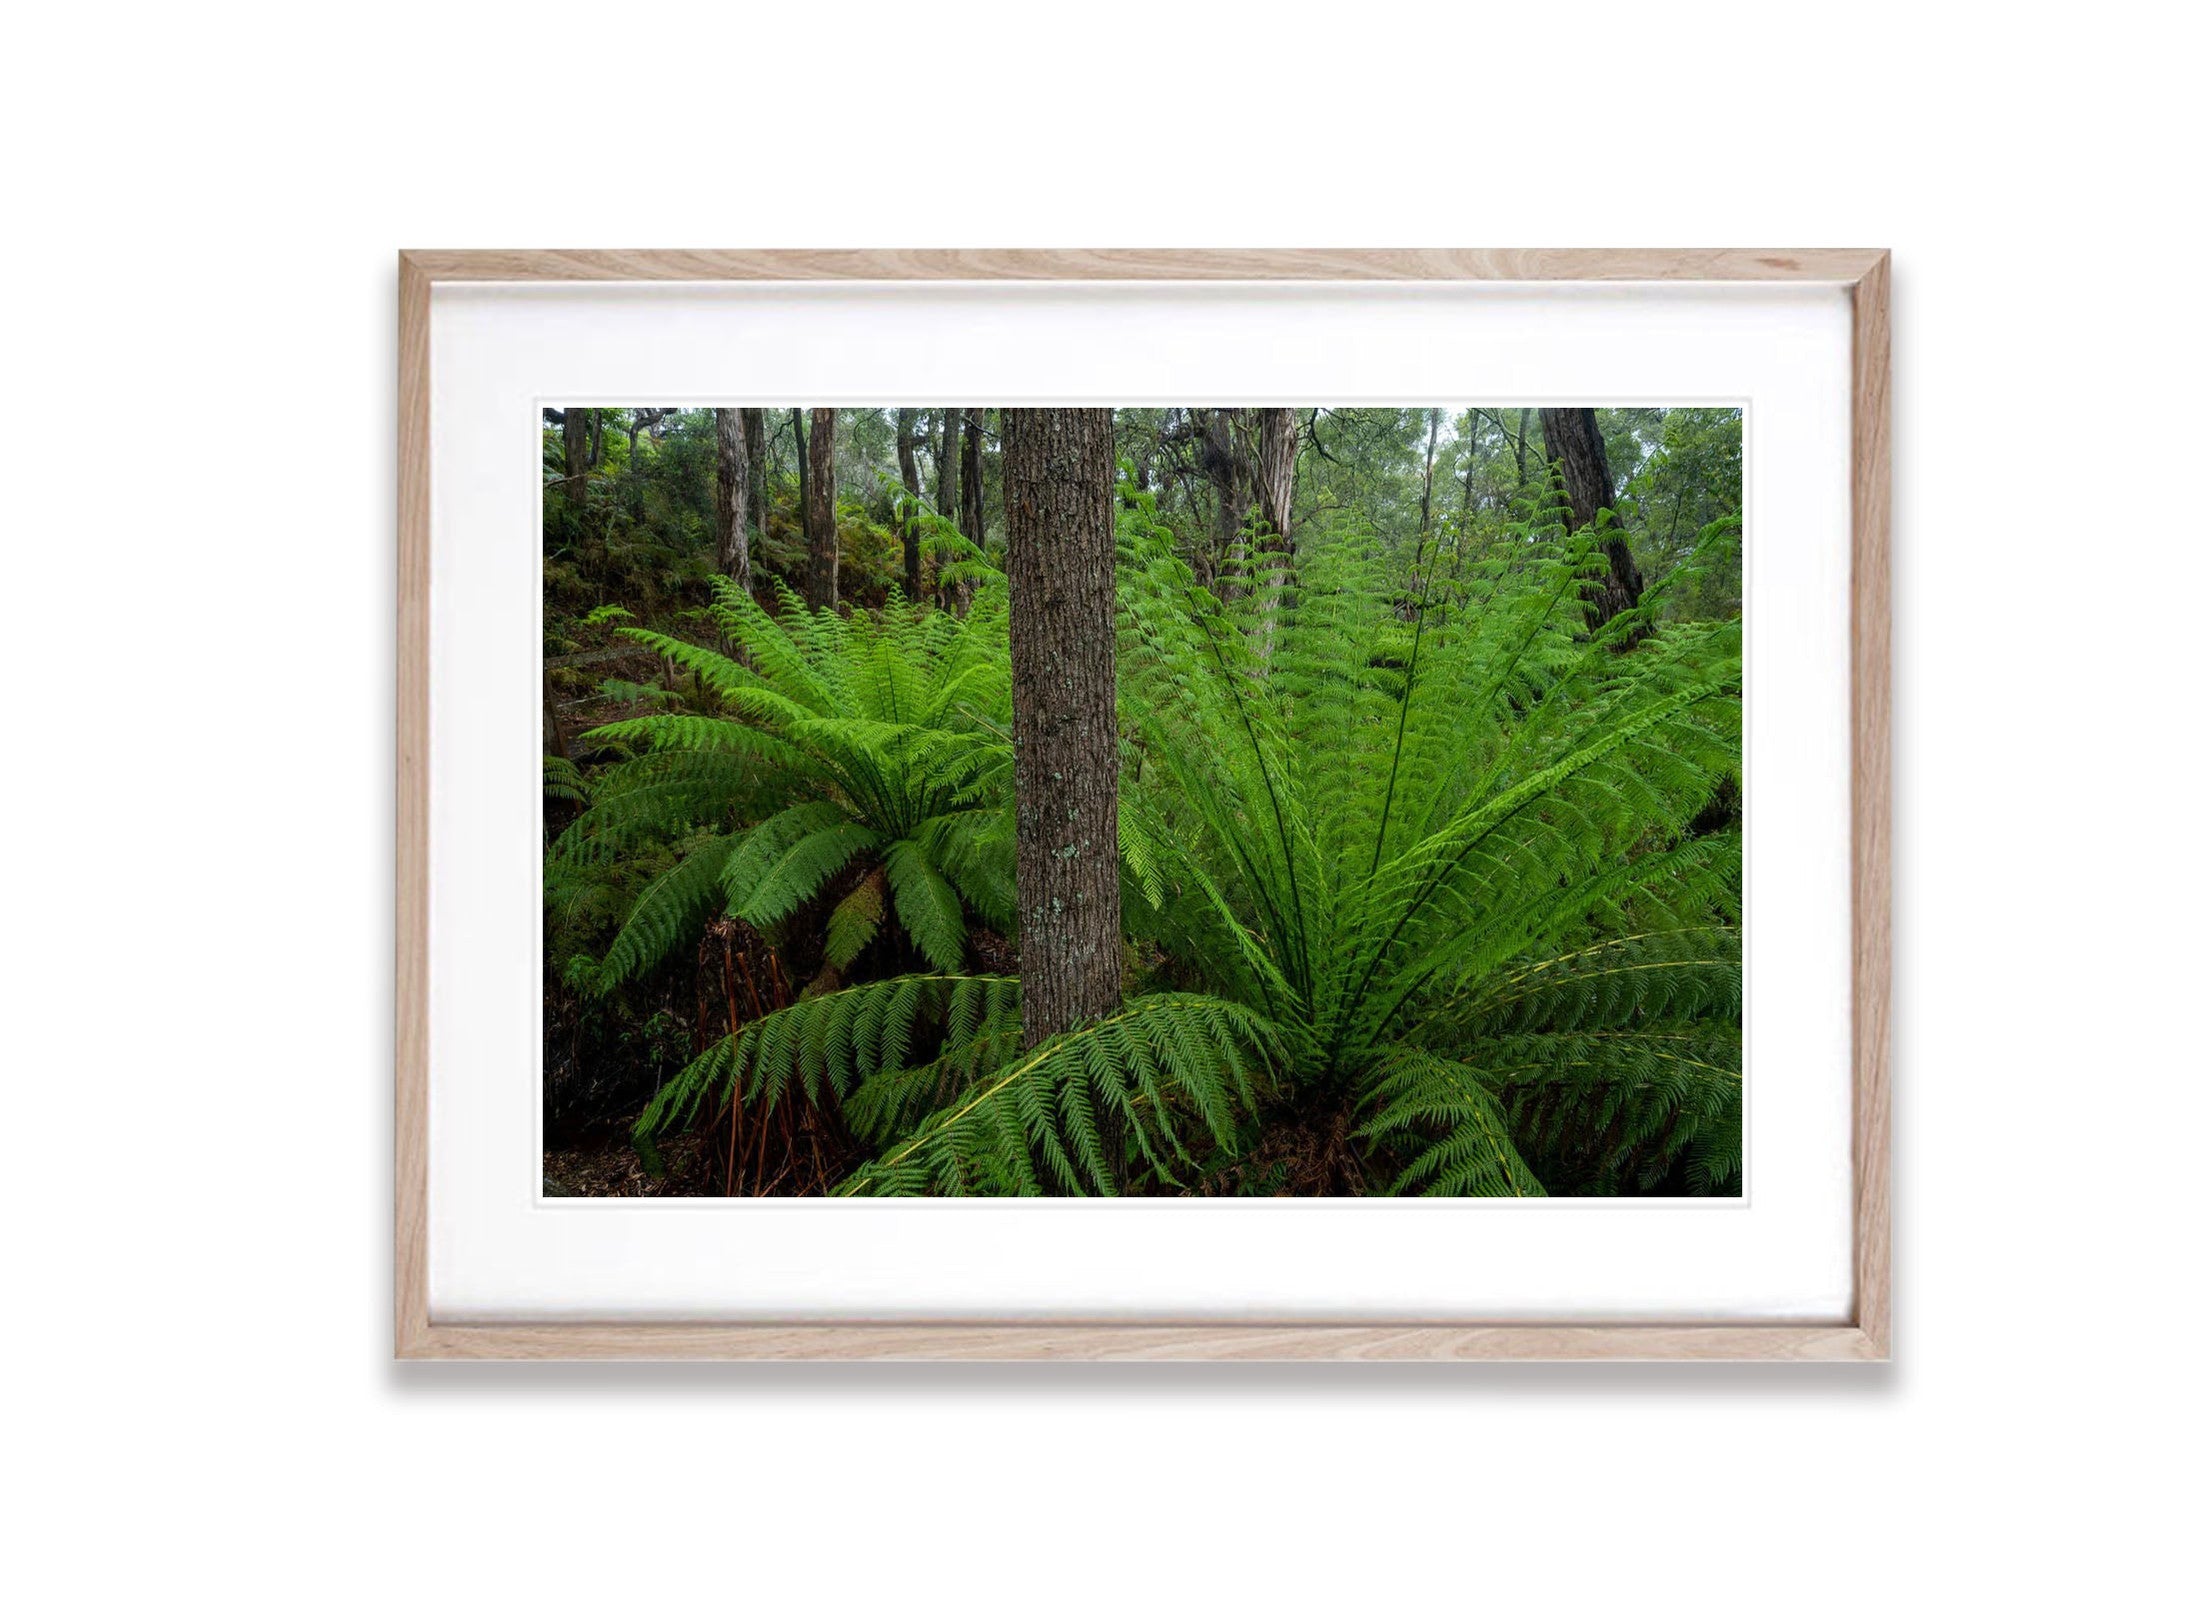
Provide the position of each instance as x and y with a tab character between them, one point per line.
1198	802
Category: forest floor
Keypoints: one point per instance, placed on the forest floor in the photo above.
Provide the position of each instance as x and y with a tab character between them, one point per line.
610	1168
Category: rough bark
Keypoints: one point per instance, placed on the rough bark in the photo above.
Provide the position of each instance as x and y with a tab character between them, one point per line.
912	549
1575	443
820	514
1058	471
733	473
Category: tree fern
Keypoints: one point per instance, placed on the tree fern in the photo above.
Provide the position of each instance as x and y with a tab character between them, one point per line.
834	743
1416	857
1443	841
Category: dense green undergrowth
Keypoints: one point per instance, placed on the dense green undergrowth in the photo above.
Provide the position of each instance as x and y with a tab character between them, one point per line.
1426	890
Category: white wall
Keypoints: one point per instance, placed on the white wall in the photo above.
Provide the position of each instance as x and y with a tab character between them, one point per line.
198	499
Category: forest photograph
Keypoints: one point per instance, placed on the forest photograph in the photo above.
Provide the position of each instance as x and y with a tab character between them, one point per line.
1223	802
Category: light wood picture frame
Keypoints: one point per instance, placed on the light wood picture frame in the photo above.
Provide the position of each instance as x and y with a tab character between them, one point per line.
1864	1335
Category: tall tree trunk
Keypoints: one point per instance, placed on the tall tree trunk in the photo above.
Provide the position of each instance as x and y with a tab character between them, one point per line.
1221	459
1058	471
820	514
973	476
912	548
946	473
1473	461
946	463
972	497
576	455
1274	474
1575	443
753	422
733	471
1427	475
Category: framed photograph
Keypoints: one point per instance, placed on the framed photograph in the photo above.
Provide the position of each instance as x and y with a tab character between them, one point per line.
1141	804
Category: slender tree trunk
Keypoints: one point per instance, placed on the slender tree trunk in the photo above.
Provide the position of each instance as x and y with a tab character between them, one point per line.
820	514
973	476
946	462
1472	427
801	464
1576	444
1427	475
734	467
946	476
576	455
972	496
912	548
1058	471
1274	475
753	424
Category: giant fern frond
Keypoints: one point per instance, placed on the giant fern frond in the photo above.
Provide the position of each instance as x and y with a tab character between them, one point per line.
1121	1098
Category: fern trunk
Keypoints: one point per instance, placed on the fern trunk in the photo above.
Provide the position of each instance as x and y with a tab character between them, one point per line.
1058	466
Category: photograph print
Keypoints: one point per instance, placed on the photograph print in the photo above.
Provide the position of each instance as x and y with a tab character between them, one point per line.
1208	802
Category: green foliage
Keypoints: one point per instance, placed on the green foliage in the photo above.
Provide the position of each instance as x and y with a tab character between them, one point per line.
971	1111
1426	890
562	780
1112	1105
836	741
833	1042
1432	837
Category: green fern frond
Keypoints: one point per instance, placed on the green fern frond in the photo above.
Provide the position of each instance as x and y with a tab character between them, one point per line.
1450	1123
835	1041
927	904
855	921
669	913
1092	1109
561	780
810	858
